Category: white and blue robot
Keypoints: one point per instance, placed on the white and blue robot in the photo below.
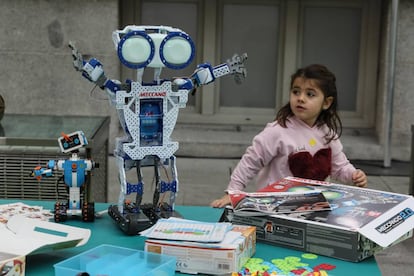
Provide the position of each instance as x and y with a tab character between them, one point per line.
75	173
148	113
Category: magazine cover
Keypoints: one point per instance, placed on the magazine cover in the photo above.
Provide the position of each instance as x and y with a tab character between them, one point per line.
271	203
350	206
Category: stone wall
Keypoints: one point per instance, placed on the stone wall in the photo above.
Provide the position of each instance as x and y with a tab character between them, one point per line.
403	103
403	100
36	72
37	76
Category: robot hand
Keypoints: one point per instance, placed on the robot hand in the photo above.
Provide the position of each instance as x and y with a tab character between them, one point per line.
237	67
39	172
77	57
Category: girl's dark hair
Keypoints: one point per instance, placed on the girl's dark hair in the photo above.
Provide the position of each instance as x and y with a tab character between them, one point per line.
326	82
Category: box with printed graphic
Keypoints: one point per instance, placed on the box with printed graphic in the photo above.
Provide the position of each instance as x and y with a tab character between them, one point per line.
361	221
222	258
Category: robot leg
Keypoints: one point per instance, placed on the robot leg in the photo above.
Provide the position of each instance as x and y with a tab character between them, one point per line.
157	191
170	187
140	191
122	181
174	182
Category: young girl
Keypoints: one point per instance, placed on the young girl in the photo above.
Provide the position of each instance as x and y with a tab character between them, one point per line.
303	141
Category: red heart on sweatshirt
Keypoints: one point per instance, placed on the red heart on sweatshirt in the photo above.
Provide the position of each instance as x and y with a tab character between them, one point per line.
318	167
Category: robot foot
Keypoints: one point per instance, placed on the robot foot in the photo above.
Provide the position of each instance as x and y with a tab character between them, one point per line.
132	223
88	211
61	208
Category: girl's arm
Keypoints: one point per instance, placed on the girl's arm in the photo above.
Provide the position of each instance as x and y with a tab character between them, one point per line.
343	170
260	153
257	155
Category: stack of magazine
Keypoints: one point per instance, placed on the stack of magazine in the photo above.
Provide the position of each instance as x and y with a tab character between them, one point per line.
273	203
188	230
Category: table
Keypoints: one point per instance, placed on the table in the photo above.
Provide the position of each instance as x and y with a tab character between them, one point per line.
27	141
105	231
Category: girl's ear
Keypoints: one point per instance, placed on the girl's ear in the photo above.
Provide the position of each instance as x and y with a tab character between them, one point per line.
327	102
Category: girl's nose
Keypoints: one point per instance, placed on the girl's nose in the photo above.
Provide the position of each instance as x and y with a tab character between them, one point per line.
301	97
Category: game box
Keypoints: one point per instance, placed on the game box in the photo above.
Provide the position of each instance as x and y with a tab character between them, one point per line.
222	258
361	221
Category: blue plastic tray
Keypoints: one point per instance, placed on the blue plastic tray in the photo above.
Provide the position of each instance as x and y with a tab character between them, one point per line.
114	261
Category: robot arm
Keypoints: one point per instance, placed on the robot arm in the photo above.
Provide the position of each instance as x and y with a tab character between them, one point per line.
39	172
93	71
234	66
205	73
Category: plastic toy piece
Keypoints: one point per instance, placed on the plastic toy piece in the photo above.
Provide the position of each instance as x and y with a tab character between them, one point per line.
148	113
75	171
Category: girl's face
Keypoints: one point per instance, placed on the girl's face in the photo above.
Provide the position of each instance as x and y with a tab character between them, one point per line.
307	100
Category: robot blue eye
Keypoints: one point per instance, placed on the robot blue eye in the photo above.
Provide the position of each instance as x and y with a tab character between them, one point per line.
65	145
177	50
136	50
76	141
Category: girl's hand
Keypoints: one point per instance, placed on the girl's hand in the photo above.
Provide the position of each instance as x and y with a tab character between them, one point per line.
359	179
222	202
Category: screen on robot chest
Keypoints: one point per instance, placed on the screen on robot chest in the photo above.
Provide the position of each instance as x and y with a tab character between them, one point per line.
151	122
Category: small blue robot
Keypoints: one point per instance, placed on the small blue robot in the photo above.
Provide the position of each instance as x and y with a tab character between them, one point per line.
75	171
148	113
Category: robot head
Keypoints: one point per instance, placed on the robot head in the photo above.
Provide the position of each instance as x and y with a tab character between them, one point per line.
72	142
153	46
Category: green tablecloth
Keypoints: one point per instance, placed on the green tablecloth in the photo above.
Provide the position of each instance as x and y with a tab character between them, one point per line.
105	231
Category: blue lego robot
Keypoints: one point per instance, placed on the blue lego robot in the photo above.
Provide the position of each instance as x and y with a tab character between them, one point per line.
75	171
148	113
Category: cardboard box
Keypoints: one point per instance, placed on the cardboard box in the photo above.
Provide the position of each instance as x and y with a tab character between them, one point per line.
210	258
22	236
361	223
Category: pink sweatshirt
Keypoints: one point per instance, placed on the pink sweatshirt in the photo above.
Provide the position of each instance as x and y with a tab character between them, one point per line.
268	156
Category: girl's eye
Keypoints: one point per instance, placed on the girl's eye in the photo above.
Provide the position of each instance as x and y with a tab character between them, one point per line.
295	91
311	94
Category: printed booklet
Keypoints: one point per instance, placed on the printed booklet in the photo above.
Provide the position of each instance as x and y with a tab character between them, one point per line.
272	203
